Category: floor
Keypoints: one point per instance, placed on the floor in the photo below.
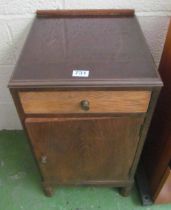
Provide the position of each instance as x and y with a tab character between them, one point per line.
20	186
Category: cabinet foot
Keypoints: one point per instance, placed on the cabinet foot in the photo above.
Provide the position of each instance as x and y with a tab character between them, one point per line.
48	190
125	191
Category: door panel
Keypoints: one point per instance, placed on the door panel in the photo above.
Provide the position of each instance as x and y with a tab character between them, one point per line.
75	150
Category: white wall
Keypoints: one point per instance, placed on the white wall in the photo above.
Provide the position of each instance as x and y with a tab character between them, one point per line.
16	17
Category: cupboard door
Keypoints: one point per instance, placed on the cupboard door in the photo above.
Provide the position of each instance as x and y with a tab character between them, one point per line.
80	150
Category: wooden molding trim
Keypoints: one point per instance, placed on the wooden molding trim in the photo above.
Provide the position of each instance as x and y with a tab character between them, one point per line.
92	12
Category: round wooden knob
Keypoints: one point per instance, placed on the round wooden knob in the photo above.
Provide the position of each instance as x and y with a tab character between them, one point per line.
85	105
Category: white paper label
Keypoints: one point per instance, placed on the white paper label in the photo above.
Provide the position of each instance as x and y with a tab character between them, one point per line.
80	73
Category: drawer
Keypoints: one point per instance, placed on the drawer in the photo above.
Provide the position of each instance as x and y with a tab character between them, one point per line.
44	102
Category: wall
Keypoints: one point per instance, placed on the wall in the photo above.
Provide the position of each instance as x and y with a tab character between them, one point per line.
16	17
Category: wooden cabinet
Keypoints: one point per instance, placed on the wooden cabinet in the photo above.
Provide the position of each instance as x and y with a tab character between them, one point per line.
157	152
86	130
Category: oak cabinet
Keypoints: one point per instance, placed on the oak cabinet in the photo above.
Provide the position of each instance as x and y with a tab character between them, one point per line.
85	88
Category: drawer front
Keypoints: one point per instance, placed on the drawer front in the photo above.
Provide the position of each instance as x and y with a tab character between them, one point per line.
44	102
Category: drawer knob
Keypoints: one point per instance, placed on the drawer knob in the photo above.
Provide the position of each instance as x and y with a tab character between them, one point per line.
85	105
43	159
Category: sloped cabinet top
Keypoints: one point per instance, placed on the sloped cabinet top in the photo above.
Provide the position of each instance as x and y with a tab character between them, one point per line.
112	50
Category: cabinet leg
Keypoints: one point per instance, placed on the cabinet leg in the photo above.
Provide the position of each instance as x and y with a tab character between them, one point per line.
48	189
125	191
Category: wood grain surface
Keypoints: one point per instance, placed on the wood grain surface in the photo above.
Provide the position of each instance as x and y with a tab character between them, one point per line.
164	194
92	12
84	149
100	101
157	151
113	49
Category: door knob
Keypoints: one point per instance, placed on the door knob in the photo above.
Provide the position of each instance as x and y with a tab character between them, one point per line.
85	105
